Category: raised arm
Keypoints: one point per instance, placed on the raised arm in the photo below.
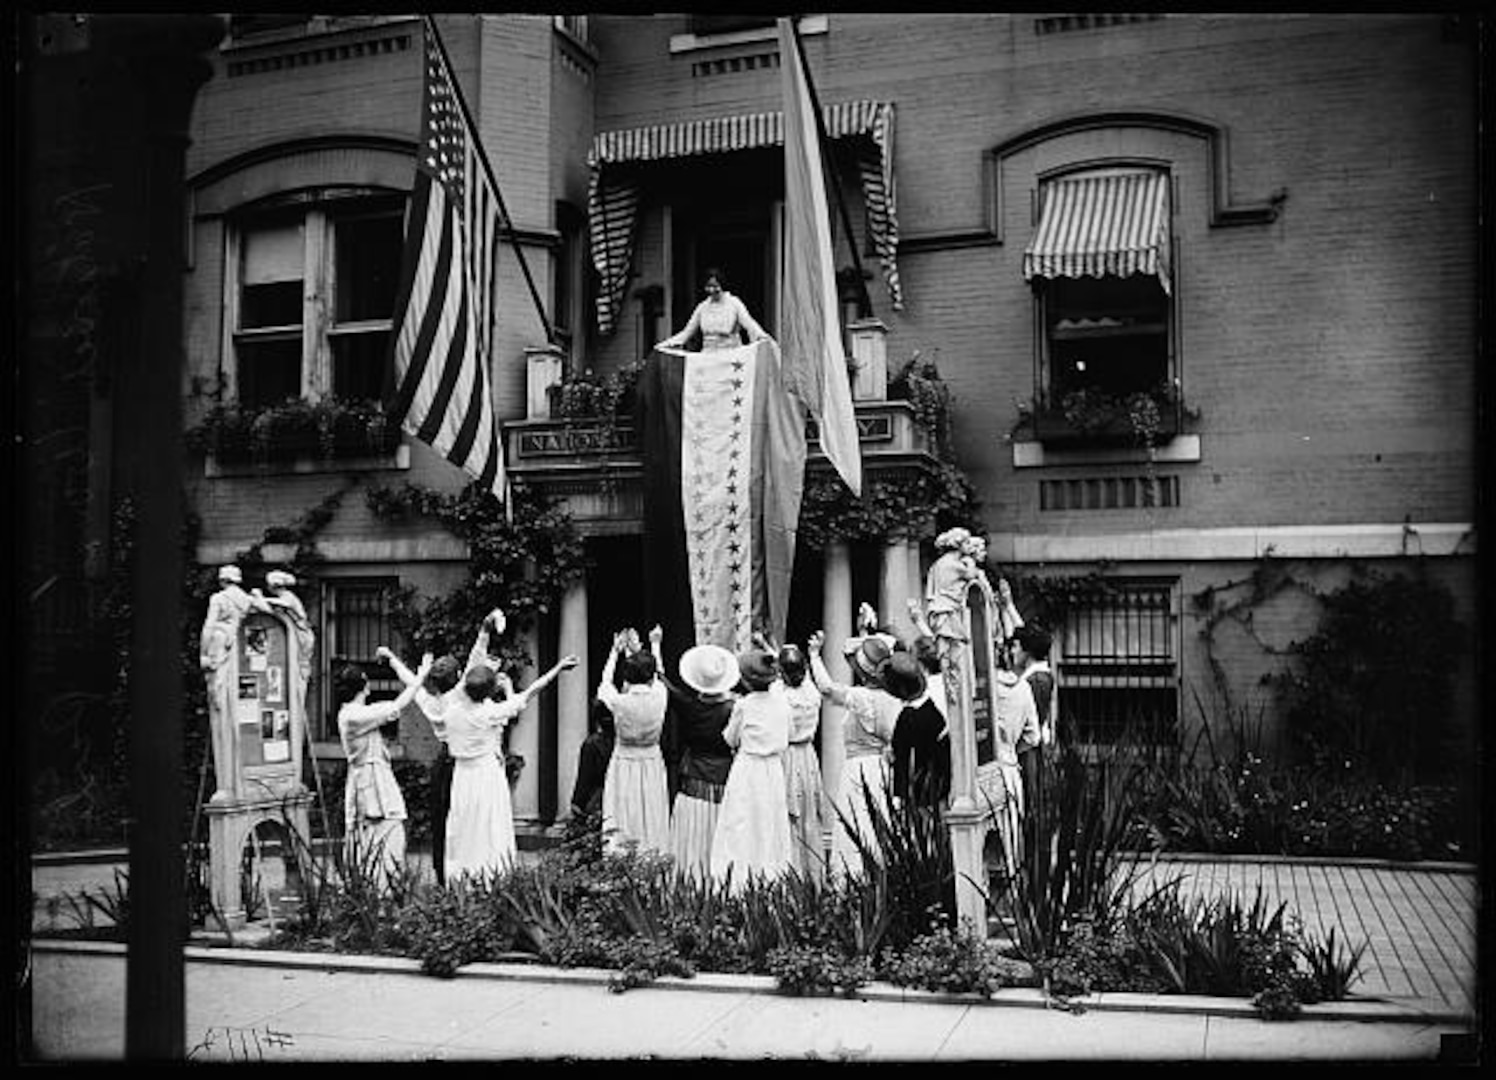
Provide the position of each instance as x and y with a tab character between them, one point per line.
566	663
656	636
917	617
479	652
834	690
405	675
607	691
360	719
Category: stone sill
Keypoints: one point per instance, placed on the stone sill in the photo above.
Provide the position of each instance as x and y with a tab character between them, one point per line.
1030	453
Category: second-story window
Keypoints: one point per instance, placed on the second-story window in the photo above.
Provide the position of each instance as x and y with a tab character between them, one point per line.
1100	261
311	295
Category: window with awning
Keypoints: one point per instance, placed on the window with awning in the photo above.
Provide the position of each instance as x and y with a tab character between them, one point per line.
1102	224
1101	263
614	196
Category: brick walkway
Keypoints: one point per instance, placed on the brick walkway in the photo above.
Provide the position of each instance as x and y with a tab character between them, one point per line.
1419	922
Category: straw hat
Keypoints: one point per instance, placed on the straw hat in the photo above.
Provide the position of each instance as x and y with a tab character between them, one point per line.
903	677
758	668
709	669
230	573
870	654
278	578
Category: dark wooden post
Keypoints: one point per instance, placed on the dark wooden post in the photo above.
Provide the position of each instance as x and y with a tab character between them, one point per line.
159	59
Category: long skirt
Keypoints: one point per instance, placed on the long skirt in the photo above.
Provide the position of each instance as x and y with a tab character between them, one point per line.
693	823
807	806
636	801
1000	793
753	826
480	822
377	846
865	772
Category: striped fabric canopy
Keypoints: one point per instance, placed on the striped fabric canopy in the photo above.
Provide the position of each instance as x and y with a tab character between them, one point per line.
1102	224
613	201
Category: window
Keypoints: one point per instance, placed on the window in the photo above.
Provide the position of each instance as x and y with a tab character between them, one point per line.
1105	335
312	292
355	622
1117	662
1100	264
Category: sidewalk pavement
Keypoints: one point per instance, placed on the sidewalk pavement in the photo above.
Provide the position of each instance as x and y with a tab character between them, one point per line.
243	1005
1418	989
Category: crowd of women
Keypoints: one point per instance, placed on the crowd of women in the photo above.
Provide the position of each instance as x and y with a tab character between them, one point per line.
717	765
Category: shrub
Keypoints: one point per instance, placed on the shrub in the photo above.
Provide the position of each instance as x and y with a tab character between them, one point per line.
1384	651
449	926
1219	946
810	969
949	962
1073	865
1092	958
1332	967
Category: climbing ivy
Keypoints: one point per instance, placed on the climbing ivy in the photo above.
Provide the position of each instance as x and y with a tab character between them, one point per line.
916	504
521	562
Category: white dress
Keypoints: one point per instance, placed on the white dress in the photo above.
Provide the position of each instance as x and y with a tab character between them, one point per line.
868	730
480	819
373	807
753	825
636	796
802	780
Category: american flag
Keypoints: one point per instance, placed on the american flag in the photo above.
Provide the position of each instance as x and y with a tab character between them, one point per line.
444	310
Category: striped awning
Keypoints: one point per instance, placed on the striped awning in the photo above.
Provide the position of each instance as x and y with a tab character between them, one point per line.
613	201
1112	224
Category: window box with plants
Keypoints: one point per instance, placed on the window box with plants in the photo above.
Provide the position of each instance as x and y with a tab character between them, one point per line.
298	428
1095	417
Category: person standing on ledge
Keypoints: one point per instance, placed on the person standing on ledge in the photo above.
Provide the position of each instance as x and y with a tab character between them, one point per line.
721	319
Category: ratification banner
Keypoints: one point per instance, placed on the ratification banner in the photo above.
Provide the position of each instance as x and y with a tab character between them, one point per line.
724	469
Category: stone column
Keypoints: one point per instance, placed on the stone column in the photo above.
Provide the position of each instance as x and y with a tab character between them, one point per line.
525	740
573	693
836	621
870	351
896	585
543	367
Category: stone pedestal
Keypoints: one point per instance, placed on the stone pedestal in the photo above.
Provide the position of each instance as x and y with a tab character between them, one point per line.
544	365
968	831
870	352
230	823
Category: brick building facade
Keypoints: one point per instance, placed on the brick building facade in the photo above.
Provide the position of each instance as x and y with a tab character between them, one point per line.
1310	339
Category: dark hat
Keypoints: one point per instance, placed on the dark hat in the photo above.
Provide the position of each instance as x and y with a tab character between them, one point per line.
758	668
903	677
1033	640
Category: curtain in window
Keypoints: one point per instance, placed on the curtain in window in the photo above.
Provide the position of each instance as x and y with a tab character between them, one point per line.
613	196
